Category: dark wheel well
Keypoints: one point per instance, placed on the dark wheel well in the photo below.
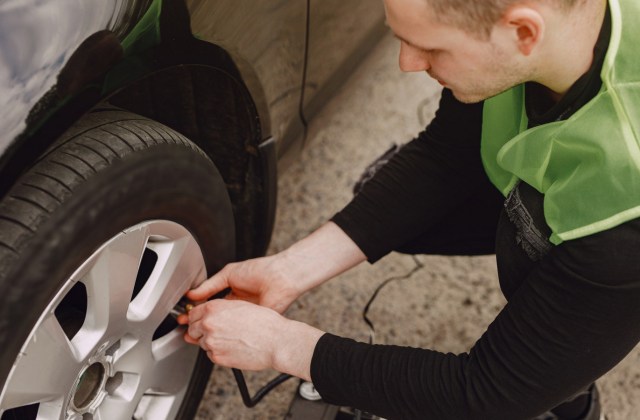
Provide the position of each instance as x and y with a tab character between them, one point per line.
215	111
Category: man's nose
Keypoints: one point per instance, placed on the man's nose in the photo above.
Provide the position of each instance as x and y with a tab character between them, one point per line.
413	59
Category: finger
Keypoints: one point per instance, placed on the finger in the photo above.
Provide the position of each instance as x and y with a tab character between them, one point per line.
182	319
211	286
194	331
190	340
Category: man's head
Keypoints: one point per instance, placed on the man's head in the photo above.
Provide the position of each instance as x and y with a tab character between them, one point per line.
479	17
479	48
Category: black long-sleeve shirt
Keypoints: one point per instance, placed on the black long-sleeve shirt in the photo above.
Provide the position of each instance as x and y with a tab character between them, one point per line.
573	310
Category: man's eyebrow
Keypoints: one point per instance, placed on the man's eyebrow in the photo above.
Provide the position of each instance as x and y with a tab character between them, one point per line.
398	37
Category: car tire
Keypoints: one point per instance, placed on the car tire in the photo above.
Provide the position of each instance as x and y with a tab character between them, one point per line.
96	223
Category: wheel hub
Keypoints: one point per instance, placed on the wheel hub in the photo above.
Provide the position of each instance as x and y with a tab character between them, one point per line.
89	389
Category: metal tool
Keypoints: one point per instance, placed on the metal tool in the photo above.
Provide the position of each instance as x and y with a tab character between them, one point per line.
184	306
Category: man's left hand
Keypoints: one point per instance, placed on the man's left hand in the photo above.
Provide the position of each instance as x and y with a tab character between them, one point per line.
243	335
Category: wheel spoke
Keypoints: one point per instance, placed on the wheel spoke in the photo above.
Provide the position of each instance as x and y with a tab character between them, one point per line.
109	281
179	267
115	408
164	366
45	369
54	410
133	356
158	406
174	361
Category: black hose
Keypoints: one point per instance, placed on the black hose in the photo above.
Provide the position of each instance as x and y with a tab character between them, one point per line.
262	392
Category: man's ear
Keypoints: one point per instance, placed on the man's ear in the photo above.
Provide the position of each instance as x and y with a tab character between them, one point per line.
527	25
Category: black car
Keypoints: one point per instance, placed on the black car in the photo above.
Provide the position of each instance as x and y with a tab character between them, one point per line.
140	142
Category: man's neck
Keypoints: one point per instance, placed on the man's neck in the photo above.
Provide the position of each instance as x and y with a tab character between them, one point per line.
574	53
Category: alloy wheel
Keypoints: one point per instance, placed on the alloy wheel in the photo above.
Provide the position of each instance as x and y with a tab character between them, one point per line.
106	346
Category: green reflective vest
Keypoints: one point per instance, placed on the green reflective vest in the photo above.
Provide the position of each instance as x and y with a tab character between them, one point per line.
587	167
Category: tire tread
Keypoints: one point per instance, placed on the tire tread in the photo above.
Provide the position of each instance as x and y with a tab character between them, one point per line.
67	167
9	248
12	220
81	159
141	129
133	149
30	201
106	145
64	140
137	136
91	149
53	178
148	127
41	189
99	140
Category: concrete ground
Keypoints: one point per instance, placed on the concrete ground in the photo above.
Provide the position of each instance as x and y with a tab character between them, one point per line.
445	304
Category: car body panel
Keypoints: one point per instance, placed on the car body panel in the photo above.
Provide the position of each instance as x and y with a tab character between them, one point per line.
37	40
266	40
353	25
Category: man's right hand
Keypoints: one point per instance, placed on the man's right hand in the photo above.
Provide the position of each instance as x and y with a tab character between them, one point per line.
276	281
260	281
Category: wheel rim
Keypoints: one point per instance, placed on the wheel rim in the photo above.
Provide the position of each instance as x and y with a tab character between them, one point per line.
105	347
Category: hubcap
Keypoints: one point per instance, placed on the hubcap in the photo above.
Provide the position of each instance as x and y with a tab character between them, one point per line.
89	390
105	347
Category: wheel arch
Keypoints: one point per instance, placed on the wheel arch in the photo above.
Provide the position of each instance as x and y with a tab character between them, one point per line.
215	110
194	88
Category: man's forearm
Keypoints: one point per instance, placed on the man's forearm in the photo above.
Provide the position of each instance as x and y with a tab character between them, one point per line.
320	256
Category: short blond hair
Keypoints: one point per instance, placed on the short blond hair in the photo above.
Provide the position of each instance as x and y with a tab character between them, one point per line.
479	16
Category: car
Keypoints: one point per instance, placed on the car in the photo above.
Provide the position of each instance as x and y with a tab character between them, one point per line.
140	142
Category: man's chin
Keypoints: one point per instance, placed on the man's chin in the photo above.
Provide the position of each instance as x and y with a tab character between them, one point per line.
467	98
475	97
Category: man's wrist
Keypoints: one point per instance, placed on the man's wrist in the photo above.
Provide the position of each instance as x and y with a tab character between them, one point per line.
294	348
293	267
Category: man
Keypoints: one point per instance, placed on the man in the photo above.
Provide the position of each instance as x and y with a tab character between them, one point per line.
541	103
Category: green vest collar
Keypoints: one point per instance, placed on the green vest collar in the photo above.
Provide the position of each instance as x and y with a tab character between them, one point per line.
587	167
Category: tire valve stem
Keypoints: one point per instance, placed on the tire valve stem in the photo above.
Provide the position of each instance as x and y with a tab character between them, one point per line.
184	306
